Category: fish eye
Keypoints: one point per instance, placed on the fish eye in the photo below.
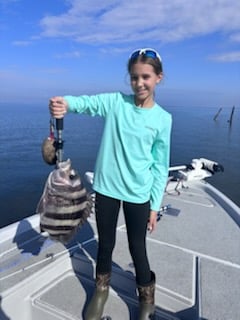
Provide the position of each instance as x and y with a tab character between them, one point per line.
72	175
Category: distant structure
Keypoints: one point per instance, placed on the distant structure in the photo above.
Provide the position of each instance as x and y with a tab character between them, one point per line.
231	116
217	114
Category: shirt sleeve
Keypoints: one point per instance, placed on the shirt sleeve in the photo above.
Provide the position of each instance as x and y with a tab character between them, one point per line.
92	105
159	169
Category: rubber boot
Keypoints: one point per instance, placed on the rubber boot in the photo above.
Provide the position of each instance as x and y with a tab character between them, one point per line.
146	299
95	308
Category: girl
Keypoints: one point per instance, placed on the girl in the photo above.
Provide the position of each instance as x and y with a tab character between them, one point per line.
131	167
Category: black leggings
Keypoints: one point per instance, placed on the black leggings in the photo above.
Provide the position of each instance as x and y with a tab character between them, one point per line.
136	218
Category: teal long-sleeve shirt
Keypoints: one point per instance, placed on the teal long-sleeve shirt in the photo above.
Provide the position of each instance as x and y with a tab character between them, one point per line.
133	158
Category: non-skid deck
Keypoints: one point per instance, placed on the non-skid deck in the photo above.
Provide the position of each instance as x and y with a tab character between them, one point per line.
195	253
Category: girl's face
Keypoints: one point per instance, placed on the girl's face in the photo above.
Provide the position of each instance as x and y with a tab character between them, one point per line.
143	82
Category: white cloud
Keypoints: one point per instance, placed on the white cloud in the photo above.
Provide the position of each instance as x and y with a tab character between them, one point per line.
22	43
226	57
71	54
235	37
107	21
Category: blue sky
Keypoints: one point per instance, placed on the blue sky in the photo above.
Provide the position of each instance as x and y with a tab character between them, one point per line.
78	47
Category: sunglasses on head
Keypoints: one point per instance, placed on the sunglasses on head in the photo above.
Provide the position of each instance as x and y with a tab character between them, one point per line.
148	52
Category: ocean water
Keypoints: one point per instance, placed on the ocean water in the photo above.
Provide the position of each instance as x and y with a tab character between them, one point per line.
23	172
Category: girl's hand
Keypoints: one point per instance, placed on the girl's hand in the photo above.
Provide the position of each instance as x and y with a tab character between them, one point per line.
58	107
152	221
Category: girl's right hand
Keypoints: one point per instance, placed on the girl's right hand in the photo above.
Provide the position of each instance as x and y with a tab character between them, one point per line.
58	107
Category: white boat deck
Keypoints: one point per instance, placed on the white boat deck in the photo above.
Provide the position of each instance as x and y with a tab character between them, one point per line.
195	253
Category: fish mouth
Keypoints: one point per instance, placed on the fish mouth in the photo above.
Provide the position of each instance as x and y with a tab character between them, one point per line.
64	165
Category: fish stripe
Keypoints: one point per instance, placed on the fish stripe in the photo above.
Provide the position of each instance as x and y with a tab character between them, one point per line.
66	209
64	216
48	227
61	222
59	233
70	193
67	228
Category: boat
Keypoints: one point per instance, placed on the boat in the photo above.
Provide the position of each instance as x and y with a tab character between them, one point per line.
195	253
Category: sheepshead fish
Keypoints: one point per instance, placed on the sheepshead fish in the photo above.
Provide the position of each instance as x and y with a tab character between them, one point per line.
65	204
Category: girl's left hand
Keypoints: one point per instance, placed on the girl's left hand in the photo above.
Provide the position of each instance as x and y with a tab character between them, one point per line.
152	221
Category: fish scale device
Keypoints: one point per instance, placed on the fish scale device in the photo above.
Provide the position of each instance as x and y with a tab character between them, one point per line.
52	148
59	142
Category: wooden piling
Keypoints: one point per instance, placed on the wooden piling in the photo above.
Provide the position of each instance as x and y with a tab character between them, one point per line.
231	116
217	114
